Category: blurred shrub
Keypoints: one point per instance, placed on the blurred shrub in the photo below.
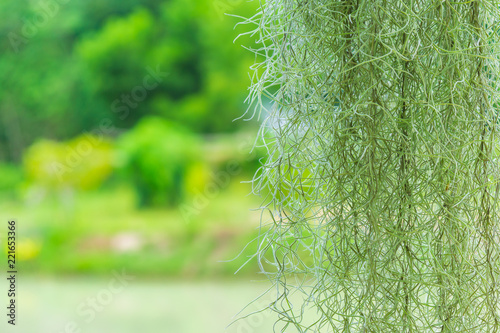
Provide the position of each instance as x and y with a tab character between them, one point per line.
156	156
10	177
28	249
82	163
198	175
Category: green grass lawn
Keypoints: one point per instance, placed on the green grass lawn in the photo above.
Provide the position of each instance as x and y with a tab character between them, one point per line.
50	305
95	232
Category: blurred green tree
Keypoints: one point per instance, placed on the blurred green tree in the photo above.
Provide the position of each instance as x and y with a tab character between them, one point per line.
67	65
156	156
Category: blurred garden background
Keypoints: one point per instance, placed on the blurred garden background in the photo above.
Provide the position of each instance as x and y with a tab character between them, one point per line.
118	145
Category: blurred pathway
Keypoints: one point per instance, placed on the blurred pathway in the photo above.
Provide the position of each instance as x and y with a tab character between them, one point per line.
84	305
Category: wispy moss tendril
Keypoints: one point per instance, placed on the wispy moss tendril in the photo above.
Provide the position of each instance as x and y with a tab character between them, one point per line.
382	180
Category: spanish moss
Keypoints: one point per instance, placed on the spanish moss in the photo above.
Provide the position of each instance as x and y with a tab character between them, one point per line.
381	186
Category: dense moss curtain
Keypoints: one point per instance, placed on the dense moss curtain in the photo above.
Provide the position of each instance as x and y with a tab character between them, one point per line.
381	187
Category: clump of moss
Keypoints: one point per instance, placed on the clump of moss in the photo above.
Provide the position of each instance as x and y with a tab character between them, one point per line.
382	177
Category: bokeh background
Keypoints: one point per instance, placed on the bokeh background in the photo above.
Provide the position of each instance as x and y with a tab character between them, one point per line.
120	156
